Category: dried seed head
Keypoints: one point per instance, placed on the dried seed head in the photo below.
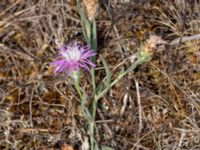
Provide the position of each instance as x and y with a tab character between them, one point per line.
91	8
152	42
155	40
150	45
72	2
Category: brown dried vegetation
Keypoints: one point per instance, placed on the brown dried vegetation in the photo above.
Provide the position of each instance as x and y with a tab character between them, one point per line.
157	106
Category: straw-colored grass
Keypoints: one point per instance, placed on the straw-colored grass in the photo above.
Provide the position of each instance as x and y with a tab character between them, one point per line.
155	107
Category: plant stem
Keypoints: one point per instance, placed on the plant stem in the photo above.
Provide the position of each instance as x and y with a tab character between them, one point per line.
94	144
139	61
88	116
90	33
92	72
76	84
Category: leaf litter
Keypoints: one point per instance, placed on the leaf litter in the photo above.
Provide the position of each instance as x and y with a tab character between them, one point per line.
41	111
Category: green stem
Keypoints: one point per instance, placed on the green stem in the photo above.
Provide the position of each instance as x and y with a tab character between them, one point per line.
92	72
94	144
76	84
88	116
90	33
139	61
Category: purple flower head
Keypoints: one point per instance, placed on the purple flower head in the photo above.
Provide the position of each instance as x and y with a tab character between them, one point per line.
73	57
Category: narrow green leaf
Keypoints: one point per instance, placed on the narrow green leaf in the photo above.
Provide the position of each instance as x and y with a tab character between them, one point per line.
106	148
108	73
85	23
94	35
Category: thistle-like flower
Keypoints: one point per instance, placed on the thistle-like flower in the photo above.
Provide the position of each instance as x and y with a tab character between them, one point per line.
73	57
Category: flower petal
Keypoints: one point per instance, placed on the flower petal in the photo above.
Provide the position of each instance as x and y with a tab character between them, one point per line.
73	57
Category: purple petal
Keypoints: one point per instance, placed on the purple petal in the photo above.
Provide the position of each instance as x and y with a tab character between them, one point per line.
76	63
88	54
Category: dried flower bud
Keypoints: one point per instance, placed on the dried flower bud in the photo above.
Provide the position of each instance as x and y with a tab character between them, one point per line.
150	45
91	8
72	2
152	42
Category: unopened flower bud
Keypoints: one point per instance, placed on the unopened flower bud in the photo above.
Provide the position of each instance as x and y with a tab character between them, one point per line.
91	8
